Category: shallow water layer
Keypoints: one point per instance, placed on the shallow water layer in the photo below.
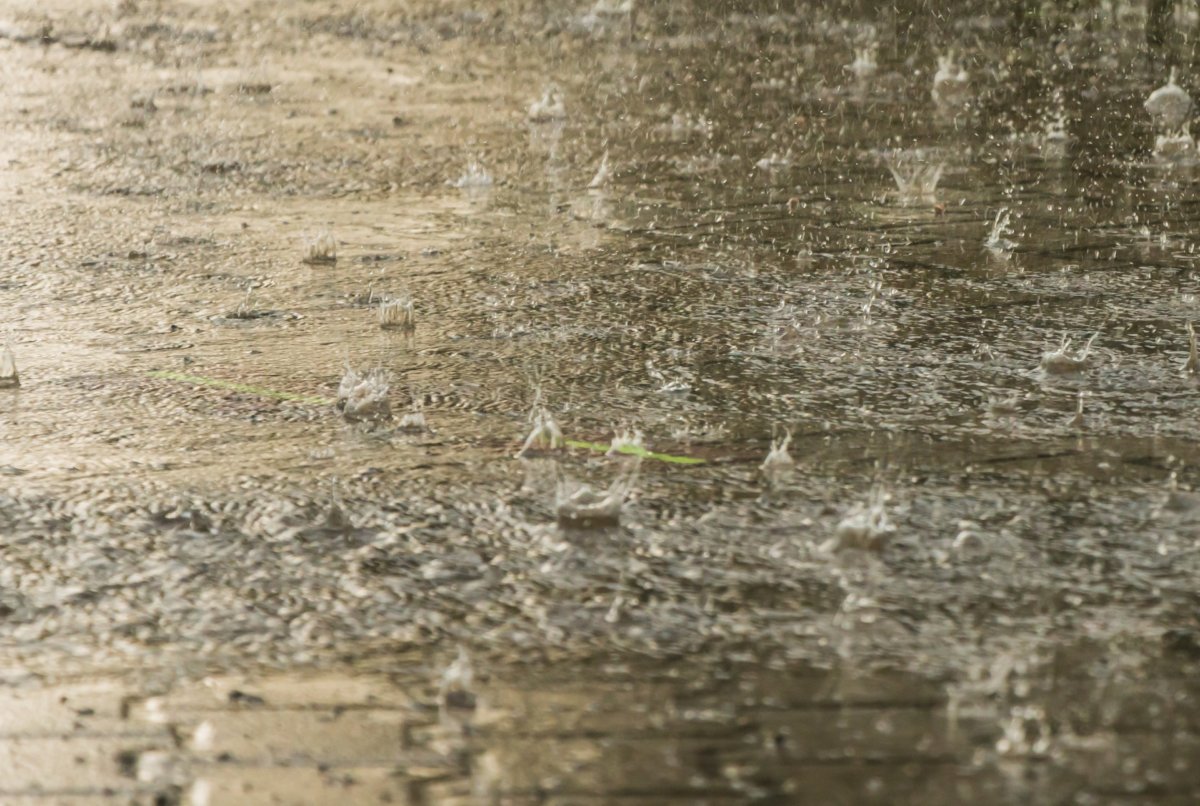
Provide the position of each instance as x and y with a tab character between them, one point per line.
683	224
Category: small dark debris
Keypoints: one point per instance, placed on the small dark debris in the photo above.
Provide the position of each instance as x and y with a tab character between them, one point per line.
240	697
1179	641
127	763
169	797
220	167
87	43
464	700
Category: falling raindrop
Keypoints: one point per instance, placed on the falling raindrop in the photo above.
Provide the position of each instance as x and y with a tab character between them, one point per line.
8	368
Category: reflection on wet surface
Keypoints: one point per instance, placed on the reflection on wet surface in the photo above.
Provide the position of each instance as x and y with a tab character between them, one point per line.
957	272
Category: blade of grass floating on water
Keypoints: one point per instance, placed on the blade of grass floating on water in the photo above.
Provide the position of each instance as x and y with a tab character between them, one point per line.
215	383
634	450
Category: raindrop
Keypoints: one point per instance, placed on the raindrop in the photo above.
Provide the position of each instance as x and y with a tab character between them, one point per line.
8	369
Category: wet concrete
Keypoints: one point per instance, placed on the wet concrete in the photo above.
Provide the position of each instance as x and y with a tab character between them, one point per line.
1014	620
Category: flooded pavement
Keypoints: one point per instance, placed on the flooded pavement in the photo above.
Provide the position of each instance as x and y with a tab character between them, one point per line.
321	316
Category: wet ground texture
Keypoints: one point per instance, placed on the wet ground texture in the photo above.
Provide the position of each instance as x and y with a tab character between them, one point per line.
971	576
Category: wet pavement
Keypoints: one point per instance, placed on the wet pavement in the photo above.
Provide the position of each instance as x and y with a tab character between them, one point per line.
970	573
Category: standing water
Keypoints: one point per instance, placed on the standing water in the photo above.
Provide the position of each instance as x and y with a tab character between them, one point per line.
965	573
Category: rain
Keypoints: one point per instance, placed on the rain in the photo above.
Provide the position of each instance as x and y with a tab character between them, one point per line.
641	402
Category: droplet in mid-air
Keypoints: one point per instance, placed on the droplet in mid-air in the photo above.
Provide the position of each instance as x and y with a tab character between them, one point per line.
8	368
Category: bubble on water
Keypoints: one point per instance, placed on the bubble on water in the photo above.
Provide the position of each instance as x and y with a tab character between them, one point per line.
969	544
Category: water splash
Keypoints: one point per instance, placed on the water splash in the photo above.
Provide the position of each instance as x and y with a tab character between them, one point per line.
866	526
1176	146
683	126
579	506
608	16
8	369
864	64
550	107
603	172
1169	105
1190	367
413	420
917	172
1054	128
336	520
474	178
397	314
951	83
626	442
544	434
364	398
1063	362
1077	420
321	250
1026	733
1055	137
244	310
996	242
455	687
779	463
775	162
1006	405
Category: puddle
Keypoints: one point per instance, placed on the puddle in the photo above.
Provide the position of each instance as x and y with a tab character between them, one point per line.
683	225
